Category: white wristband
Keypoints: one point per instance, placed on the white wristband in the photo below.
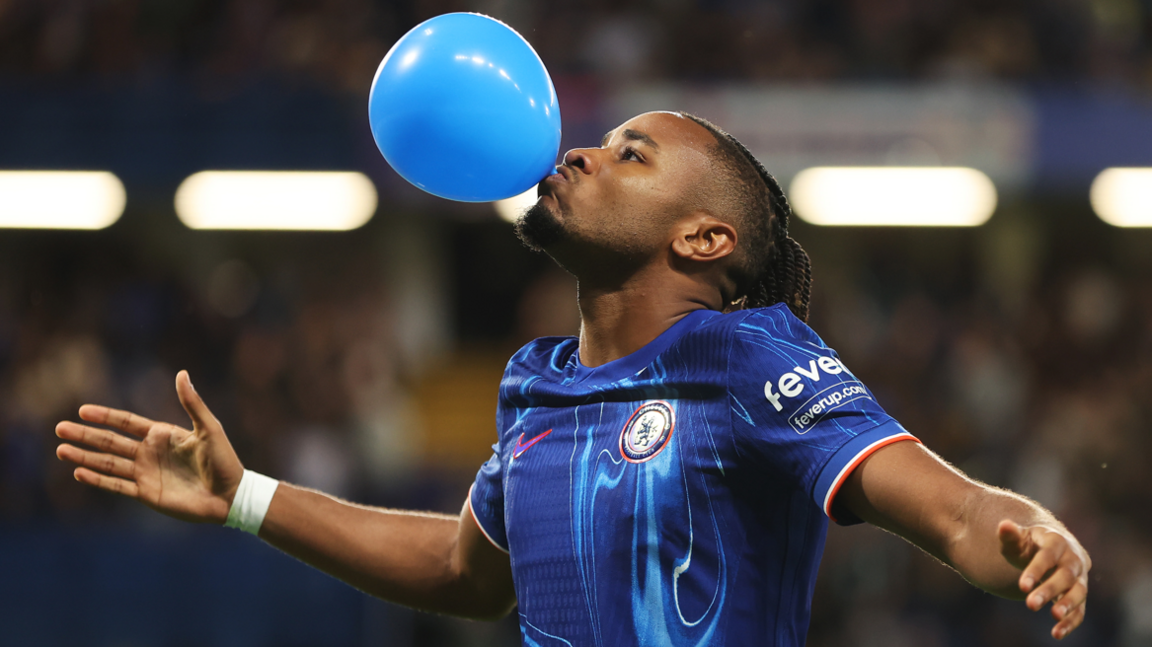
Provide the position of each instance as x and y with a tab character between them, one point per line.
251	503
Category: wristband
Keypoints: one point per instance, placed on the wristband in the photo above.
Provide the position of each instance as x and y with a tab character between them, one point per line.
251	502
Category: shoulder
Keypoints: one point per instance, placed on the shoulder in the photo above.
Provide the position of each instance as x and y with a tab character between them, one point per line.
776	324
772	341
762	333
545	357
776	332
720	325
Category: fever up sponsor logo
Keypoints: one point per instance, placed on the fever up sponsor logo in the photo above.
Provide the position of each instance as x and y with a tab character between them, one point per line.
790	385
833	397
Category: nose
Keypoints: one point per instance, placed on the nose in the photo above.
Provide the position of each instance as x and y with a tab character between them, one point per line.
582	160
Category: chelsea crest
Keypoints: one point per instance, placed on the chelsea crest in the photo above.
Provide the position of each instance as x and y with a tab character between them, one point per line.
647	431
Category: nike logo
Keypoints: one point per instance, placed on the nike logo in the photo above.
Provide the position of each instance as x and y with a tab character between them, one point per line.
522	446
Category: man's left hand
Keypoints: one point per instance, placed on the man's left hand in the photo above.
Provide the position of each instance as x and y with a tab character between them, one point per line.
1055	569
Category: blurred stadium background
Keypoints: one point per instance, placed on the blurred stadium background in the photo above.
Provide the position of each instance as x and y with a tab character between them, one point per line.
365	362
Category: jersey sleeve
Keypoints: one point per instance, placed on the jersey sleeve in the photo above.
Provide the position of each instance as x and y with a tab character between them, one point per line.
486	500
798	411
486	496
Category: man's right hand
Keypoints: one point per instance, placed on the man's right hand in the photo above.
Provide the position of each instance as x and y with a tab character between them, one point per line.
187	474
429	561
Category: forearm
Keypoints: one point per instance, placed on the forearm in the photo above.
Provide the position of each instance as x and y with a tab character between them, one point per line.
909	491
405	557
999	541
974	549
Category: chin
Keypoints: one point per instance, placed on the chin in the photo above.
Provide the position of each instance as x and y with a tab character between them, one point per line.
539	228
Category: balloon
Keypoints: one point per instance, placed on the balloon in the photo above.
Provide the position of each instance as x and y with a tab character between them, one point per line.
463	108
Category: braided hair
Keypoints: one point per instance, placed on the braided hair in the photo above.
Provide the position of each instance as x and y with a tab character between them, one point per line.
775	268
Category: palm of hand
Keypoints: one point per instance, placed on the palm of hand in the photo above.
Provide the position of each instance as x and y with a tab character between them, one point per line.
190	475
175	475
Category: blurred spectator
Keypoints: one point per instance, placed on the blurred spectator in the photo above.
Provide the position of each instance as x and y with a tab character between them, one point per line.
339	367
338	43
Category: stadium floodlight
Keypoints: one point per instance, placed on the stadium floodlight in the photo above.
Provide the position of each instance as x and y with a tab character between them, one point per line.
284	200
1122	197
60	199
902	196
509	209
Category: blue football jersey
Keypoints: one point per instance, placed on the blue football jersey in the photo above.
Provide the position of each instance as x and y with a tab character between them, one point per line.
679	495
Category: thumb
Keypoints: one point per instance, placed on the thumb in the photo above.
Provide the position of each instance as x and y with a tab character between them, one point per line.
202	418
1015	543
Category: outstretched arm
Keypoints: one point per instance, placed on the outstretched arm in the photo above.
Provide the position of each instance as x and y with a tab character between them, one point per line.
998	540
432	562
429	561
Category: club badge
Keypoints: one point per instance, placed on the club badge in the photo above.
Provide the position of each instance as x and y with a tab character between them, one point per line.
647	431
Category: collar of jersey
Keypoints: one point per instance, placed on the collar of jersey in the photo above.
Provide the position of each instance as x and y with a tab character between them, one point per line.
630	365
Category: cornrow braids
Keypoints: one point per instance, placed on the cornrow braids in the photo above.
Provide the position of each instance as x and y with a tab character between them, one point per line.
777	269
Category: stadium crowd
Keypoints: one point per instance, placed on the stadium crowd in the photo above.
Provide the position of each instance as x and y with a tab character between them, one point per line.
1028	370
338	43
1032	378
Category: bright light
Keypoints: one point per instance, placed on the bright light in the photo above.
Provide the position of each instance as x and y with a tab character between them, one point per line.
920	196
60	199
511	208
295	200
1122	197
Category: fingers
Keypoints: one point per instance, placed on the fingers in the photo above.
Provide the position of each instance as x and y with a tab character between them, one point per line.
125	421
1070	622
103	463
201	416
102	439
1048	550
1070	602
1057	573
1057	584
107	483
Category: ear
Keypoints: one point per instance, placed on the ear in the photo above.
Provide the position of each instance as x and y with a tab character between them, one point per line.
701	237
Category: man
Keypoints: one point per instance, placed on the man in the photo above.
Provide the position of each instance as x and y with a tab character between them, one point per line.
665	478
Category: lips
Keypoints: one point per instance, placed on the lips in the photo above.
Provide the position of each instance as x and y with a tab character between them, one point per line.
563	175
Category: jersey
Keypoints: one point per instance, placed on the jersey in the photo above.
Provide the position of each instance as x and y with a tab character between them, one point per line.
678	495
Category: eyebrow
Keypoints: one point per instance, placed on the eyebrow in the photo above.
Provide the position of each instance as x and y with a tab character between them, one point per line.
631	135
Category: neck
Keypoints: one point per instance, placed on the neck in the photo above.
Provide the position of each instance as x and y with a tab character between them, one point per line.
619	320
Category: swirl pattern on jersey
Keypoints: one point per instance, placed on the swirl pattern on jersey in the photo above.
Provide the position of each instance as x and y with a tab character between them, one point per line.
675	501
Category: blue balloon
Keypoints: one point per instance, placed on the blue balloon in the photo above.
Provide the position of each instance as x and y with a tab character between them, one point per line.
463	108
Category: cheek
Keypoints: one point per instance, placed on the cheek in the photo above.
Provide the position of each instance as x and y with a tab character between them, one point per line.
650	206
639	197
653	190
637	209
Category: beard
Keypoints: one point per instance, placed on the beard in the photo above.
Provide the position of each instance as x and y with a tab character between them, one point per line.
538	228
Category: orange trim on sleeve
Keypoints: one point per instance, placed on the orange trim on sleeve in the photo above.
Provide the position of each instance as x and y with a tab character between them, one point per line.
481	526
848	469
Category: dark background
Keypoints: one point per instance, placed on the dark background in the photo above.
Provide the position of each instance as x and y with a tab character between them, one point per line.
365	363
